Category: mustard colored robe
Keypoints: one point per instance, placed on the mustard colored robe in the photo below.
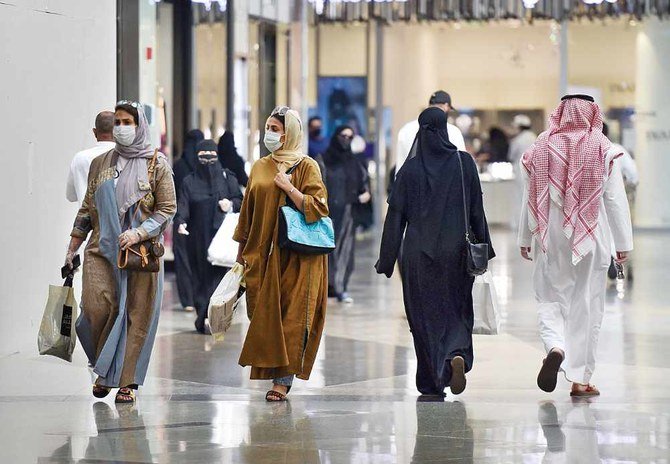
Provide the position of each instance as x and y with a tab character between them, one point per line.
287	292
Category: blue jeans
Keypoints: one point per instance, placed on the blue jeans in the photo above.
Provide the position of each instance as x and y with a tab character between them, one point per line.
284	381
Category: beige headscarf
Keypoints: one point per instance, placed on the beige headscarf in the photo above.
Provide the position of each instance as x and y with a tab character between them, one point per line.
291	152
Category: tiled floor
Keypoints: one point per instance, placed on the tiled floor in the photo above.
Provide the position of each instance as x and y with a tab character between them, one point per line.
360	405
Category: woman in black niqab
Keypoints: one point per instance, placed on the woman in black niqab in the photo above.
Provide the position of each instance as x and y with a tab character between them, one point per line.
230	159
182	269
346	183
202	211
426	216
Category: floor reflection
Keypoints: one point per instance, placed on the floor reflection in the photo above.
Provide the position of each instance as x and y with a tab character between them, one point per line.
572	438
443	433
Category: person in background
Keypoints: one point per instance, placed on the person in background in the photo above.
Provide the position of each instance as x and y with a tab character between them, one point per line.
346	181
317	143
130	199
496	147
183	167
207	195
77	179
230	159
428	205
287	292
407	133
574	205
630	180
522	141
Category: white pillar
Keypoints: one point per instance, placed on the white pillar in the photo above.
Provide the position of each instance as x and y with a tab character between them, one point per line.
563	62
653	124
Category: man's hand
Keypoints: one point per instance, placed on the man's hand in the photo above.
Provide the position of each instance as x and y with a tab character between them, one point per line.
364	197
181	230
621	257
525	253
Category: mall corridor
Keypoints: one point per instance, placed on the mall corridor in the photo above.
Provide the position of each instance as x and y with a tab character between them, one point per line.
361	406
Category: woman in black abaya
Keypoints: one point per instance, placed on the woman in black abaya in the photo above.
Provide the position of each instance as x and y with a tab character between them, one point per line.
230	159
346	183
426	205
182	269
207	195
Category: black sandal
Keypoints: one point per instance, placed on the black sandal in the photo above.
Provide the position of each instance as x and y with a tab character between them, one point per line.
457	382
548	375
125	395
273	396
100	391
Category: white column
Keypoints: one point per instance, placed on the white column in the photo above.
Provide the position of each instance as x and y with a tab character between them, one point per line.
653	124
563	62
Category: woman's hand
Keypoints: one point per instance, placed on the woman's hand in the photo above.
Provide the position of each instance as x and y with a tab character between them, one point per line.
181	230
364	197
129	238
73	247
283	181
226	205
525	253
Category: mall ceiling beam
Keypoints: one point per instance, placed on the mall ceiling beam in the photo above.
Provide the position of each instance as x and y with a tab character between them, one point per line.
389	11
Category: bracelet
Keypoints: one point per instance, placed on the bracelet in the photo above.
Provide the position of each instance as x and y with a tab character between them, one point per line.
292	190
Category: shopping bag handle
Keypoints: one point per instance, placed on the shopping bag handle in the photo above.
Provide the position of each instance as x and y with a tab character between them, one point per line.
67	272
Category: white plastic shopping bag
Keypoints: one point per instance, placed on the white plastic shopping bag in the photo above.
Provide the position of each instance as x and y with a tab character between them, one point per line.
225	300
57	336
223	249
485	303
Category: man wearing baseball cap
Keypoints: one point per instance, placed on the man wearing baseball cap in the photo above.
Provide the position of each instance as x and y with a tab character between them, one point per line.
524	139
407	133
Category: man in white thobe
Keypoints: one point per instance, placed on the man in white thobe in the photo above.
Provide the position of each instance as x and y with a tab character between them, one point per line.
407	133
521	142
574	204
77	180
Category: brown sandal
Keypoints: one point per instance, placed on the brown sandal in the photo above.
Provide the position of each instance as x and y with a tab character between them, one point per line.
125	395
590	390
100	391
274	396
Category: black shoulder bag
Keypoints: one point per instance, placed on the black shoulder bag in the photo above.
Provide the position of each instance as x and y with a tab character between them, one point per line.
478	253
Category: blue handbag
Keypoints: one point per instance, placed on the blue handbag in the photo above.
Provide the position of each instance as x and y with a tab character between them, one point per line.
295	234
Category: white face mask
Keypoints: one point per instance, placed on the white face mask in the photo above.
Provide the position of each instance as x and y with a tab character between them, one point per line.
272	141
124	135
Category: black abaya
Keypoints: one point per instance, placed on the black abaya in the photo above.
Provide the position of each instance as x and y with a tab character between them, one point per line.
345	181
437	289
184	166
199	209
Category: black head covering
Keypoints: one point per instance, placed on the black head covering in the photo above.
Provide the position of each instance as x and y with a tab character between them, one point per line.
337	152
189	154
210	174
230	159
435	154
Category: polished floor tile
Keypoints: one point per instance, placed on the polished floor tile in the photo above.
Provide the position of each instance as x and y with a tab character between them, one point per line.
360	406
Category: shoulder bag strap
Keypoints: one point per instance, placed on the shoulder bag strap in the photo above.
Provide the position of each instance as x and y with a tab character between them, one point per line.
465	207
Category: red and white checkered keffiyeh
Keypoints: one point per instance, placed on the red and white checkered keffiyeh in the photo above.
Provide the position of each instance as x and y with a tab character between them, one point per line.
567	165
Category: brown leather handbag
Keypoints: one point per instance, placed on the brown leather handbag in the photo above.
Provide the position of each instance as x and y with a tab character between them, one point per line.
144	256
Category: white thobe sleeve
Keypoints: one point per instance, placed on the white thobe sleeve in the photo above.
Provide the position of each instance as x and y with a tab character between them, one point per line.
618	213
629	169
402	150
524	236
456	137
70	189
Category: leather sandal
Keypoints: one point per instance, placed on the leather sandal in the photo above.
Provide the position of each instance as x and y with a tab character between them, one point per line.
100	391
273	396
125	395
590	390
457	382
548	375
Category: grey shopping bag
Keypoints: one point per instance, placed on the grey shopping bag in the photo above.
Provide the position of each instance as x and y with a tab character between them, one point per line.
57	336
